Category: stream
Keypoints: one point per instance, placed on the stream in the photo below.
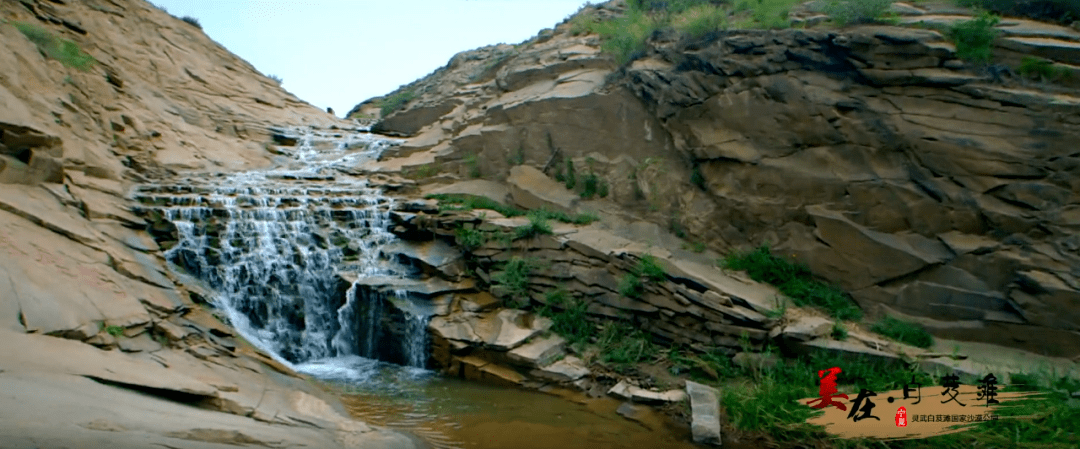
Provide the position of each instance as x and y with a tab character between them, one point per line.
277	246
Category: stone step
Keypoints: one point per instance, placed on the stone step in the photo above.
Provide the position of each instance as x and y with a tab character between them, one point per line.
539	352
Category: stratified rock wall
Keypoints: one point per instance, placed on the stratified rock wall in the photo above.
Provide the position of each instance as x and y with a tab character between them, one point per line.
873	155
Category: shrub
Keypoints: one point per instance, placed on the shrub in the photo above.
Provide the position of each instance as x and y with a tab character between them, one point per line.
570	178
974	38
903	332
115	331
650	269
594	185
624	38
515	279
538	225
276	79
570	320
193	21
700	20
794	281
470	239
67	52
768	14
396	101
851	12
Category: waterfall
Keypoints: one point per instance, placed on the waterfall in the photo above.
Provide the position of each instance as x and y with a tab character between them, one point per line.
274	244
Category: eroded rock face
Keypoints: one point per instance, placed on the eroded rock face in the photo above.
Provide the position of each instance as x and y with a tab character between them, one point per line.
872	155
87	306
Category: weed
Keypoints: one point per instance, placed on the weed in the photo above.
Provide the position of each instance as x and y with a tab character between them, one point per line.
852	12
470	202
839	332
115	331
675	226
649	268
67	52
396	101
624	38
473	164
621	345
570	178
701	20
630	286
594	185
1060	11
584	22
1032	67
579	219
974	38
538	225
903	332
515	279
192	21
768	14
276	79
570	320
794	281
470	239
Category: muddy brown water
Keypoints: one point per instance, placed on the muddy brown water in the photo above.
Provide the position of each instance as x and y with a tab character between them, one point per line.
449	413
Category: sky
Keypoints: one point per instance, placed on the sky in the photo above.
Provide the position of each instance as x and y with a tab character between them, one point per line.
337	53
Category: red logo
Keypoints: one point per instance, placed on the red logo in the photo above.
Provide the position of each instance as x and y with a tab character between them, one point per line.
901	417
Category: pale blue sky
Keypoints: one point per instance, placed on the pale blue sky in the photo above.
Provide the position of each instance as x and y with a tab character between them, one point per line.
338	53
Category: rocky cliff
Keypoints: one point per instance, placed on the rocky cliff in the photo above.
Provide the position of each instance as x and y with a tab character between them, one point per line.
926	187
101	345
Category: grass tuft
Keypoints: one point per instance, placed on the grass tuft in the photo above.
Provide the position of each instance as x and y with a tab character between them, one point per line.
794	281
515	279
974	38
396	101
904	332
67	52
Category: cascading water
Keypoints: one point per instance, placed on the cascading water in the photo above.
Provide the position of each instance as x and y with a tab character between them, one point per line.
274	244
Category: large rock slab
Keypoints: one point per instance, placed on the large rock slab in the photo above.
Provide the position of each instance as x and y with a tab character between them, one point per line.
872	256
532	189
705	414
539	352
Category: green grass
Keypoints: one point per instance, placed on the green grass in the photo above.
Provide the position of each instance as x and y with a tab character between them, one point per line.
473	165
396	101
839	332
766	14
538	225
794	281
515	279
67	52
625	37
594	185
697	247
701	20
974	38
569	317
470	202
622	345
903	332
115	331
422	172
852	12
633	282
1032	67
469	239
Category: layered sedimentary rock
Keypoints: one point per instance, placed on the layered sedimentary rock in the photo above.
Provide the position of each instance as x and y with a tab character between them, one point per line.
872	154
